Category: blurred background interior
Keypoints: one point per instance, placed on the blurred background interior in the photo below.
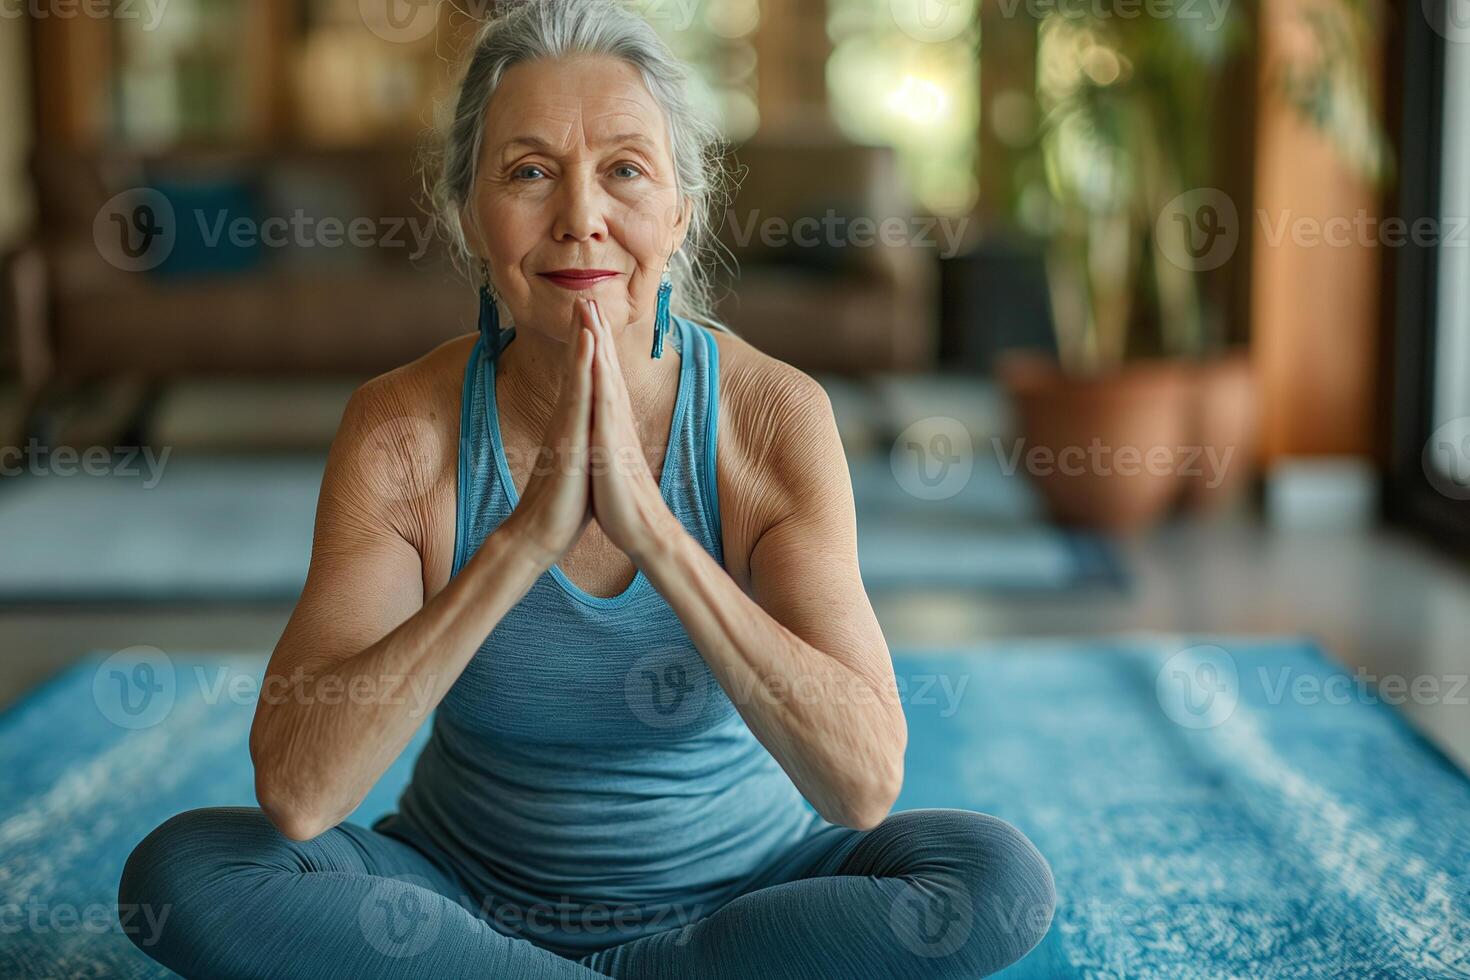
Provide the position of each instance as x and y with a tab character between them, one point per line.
1174	234
1144	321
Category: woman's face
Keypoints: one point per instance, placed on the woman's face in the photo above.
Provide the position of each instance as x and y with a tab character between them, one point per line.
576	194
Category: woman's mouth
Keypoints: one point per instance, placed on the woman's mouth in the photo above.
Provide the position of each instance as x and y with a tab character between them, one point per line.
577	278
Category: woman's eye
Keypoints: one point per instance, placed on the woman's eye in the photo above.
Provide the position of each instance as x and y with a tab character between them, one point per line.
529	172
627	171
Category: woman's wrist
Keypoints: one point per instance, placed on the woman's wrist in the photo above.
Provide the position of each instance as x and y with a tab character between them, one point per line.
659	542
519	530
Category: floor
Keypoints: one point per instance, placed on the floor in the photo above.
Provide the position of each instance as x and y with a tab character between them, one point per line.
1380	601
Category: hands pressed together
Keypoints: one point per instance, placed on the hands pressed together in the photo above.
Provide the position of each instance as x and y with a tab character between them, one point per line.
593	465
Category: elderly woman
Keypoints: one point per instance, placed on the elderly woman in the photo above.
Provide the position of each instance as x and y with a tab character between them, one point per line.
615	547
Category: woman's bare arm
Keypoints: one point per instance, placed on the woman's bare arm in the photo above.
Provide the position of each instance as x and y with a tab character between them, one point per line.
364	659
802	656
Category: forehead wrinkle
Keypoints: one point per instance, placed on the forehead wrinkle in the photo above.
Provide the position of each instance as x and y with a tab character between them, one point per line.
547	89
605	130
533	120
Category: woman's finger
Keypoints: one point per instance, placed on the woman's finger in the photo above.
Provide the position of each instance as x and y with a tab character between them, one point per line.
609	376
579	368
576	392
609	356
581	379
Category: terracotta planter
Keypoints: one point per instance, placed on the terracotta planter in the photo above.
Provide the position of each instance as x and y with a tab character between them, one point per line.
1103	451
1226	418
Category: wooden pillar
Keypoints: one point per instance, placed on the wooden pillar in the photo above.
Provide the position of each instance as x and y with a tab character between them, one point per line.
72	59
1314	307
792	48
16	205
267	41
1007	70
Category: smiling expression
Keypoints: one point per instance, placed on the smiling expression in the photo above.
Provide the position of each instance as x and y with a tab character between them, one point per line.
576	193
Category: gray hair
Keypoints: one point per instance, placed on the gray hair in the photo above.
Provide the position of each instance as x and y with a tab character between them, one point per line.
534	29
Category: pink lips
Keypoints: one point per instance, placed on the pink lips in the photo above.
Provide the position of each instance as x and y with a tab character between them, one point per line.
578	278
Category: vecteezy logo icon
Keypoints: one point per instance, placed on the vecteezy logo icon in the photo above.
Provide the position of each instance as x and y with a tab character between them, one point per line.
933	459
940	452
932	918
135	230
1199	230
1198	687
936	916
1446	459
667	688
1208	221
400	21
931	20
400	916
135	688
674	682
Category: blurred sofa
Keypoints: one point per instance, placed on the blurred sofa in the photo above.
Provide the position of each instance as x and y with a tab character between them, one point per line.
303	301
213	306
815	287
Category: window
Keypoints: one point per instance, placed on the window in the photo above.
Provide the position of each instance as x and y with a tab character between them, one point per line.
905	73
717	40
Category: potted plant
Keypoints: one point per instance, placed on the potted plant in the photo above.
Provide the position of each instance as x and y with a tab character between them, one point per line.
1144	381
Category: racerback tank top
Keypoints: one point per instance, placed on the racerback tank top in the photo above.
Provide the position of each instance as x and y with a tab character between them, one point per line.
586	765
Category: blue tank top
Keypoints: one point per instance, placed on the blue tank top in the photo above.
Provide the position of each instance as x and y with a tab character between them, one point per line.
587	768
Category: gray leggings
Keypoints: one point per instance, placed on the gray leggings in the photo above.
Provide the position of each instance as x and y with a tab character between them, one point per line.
927	893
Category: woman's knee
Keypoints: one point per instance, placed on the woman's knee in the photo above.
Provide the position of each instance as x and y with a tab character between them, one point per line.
982	876
170	869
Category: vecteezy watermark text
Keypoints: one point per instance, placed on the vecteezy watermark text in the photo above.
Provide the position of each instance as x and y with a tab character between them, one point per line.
1099	459
142	921
1212	12
1200	687
41	460
1363	687
833	230
150	12
138	229
408	21
138	687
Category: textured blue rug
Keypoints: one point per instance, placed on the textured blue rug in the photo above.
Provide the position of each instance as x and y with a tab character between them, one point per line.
1241	810
183	529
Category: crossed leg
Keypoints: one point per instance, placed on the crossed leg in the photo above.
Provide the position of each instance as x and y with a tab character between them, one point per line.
237	898
927	893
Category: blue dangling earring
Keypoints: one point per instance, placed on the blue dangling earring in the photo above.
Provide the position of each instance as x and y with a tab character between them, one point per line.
661	315
496	340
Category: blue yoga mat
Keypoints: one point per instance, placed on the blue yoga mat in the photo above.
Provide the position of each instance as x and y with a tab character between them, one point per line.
987	494
1202	816
912	554
201	528
988	532
238	529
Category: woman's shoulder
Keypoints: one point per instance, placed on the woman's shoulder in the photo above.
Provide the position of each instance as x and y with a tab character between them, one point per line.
778	437
755	383
429	383
762	396
399	435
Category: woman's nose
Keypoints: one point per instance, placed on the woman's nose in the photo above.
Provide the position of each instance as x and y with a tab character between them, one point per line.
579	209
